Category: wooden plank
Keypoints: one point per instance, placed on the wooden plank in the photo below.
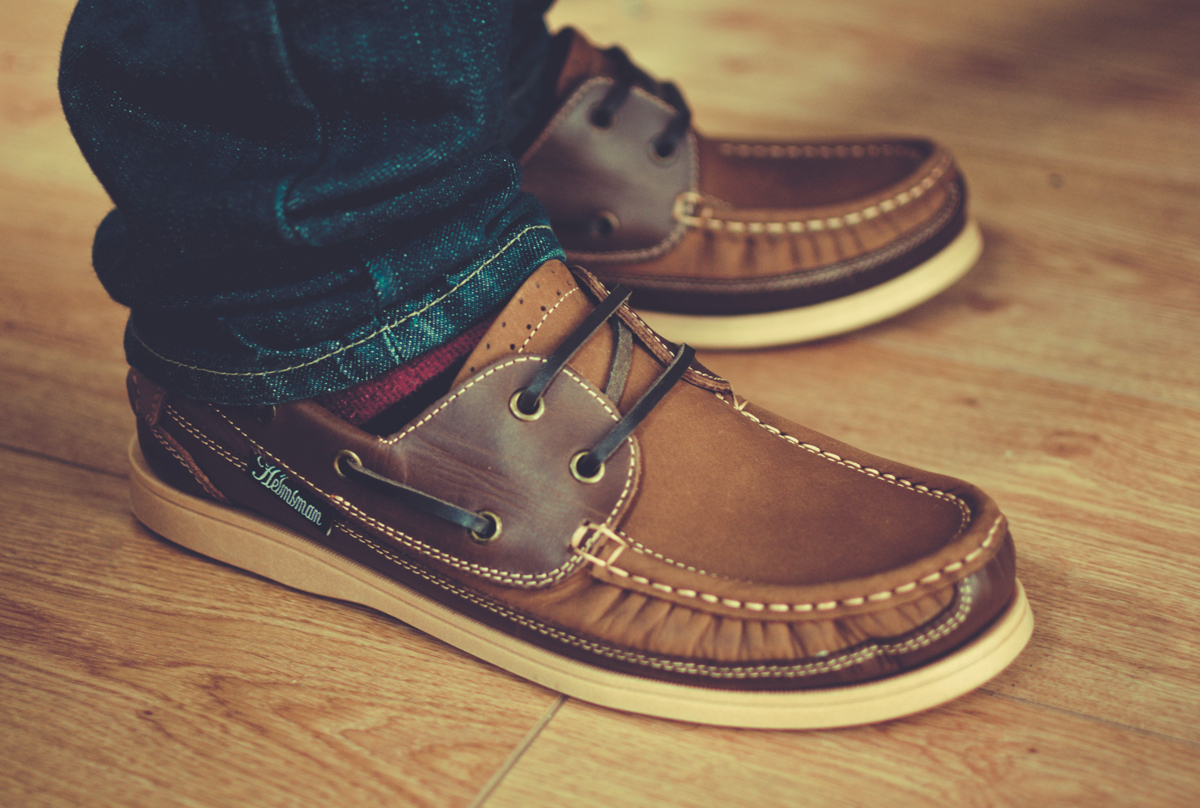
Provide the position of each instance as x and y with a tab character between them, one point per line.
63	407
1085	277
1100	489
1114	84
60	334
136	673
982	750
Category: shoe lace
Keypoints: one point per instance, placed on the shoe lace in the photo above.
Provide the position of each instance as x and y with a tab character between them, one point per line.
629	74
528	403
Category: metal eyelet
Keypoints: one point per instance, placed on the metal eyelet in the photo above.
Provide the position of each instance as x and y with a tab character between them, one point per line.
265	414
495	530
526	416
578	475
345	454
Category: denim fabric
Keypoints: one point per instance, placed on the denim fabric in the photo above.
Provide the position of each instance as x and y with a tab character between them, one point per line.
528	92
307	193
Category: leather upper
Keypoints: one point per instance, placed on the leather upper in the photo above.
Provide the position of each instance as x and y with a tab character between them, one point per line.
724	227
722	544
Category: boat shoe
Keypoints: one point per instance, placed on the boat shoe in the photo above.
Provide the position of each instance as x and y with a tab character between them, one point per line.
590	508
734	244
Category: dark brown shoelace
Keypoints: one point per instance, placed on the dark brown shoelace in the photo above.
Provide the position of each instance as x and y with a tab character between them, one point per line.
629	74
588	466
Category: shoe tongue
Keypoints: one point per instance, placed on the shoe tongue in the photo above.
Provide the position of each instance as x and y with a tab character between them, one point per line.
547	307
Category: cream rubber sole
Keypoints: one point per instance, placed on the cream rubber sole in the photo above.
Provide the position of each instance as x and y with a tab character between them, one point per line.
244	540
831	317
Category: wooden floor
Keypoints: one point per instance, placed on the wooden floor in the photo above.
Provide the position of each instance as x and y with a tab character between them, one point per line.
1062	375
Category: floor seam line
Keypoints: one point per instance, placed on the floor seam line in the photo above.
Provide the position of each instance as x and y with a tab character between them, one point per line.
515	755
73	464
933	353
1089	717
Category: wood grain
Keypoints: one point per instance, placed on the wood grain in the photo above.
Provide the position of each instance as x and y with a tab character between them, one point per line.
979	751
1109	83
1062	375
133	672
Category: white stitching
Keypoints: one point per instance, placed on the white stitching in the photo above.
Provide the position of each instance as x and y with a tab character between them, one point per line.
545	317
663	345
503	576
826	665
802	607
870	472
854	601
812	225
357	342
824	151
412	427
195	432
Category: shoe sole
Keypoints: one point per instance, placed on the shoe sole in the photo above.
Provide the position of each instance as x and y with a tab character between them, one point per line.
243	540
805	323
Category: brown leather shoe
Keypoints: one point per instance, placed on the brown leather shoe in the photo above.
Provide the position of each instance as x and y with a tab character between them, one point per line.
740	244
590	509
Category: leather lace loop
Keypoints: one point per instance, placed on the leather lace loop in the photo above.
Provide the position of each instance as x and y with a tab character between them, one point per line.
586	466
591	462
485	526
531	396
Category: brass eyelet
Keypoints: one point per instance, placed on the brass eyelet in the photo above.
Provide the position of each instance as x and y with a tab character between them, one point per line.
345	454
526	416
495	533
578	475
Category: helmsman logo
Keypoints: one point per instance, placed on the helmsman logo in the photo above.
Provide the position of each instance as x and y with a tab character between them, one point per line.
274	479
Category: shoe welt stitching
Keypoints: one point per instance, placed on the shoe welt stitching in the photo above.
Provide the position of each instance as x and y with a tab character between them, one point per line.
536	579
813	225
827	665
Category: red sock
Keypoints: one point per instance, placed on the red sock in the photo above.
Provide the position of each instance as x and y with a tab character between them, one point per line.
362	402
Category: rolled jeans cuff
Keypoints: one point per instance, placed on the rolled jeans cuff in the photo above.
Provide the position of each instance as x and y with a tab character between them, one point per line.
399	333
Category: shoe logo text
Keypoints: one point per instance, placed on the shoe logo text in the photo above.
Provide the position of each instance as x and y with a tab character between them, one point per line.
275	480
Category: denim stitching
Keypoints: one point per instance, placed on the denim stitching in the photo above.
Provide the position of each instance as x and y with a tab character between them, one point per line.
356	343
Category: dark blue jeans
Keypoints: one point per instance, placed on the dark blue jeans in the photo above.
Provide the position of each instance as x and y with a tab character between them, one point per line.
307	193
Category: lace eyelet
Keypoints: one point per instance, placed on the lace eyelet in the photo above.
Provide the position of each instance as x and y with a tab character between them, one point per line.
579	475
345	454
663	152
605	224
515	407
497	527
265	414
601	118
